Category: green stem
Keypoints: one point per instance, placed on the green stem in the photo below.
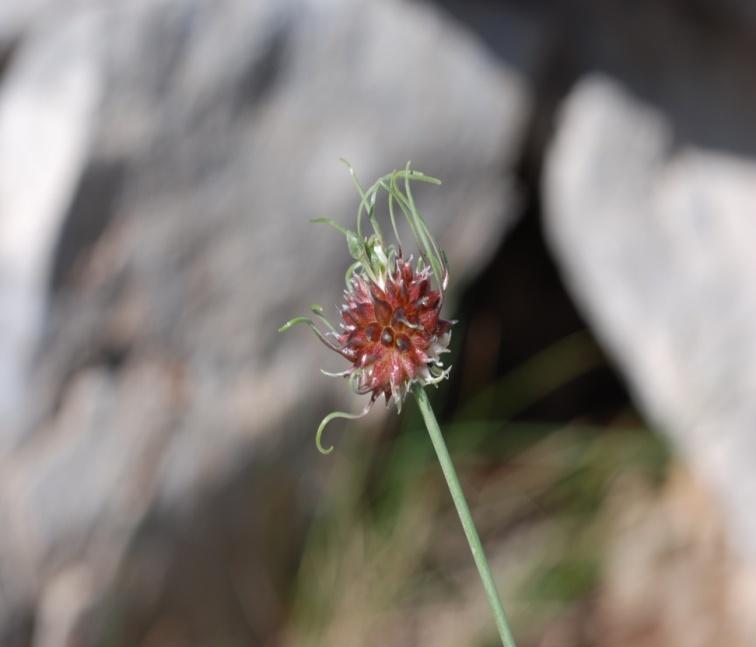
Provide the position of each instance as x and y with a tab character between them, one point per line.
464	515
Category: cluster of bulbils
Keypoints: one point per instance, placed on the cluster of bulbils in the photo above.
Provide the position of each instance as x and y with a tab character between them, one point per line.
391	330
393	333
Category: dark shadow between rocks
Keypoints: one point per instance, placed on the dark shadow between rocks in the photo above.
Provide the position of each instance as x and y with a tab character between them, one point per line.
7	52
91	210
694	61
518	307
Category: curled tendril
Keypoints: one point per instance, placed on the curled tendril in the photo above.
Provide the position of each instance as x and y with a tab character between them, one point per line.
367	202
332	416
317	310
332	223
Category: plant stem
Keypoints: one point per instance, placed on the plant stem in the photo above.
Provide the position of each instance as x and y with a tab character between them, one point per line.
464	515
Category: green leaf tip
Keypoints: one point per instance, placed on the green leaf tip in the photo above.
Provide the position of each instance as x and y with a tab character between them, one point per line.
292	322
332	223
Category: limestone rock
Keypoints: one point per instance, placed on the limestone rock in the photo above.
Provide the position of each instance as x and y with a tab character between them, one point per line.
656	238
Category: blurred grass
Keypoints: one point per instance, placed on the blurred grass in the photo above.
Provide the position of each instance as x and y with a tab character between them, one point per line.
385	562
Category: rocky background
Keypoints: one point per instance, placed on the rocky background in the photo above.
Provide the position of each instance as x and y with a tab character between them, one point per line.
159	161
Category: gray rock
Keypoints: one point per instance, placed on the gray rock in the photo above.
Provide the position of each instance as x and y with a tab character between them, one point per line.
655	237
46	110
201	137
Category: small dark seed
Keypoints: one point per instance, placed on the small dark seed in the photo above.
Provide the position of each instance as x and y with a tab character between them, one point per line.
372	331
387	337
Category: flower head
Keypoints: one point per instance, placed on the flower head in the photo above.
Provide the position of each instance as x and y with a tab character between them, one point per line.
391	331
393	334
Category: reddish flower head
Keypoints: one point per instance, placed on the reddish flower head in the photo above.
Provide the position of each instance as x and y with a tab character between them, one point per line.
393	335
391	330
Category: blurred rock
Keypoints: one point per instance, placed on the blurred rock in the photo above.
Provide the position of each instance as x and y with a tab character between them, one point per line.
46	112
648	196
169	178
655	236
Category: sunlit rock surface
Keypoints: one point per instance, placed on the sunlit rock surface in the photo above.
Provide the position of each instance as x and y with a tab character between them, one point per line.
656	239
